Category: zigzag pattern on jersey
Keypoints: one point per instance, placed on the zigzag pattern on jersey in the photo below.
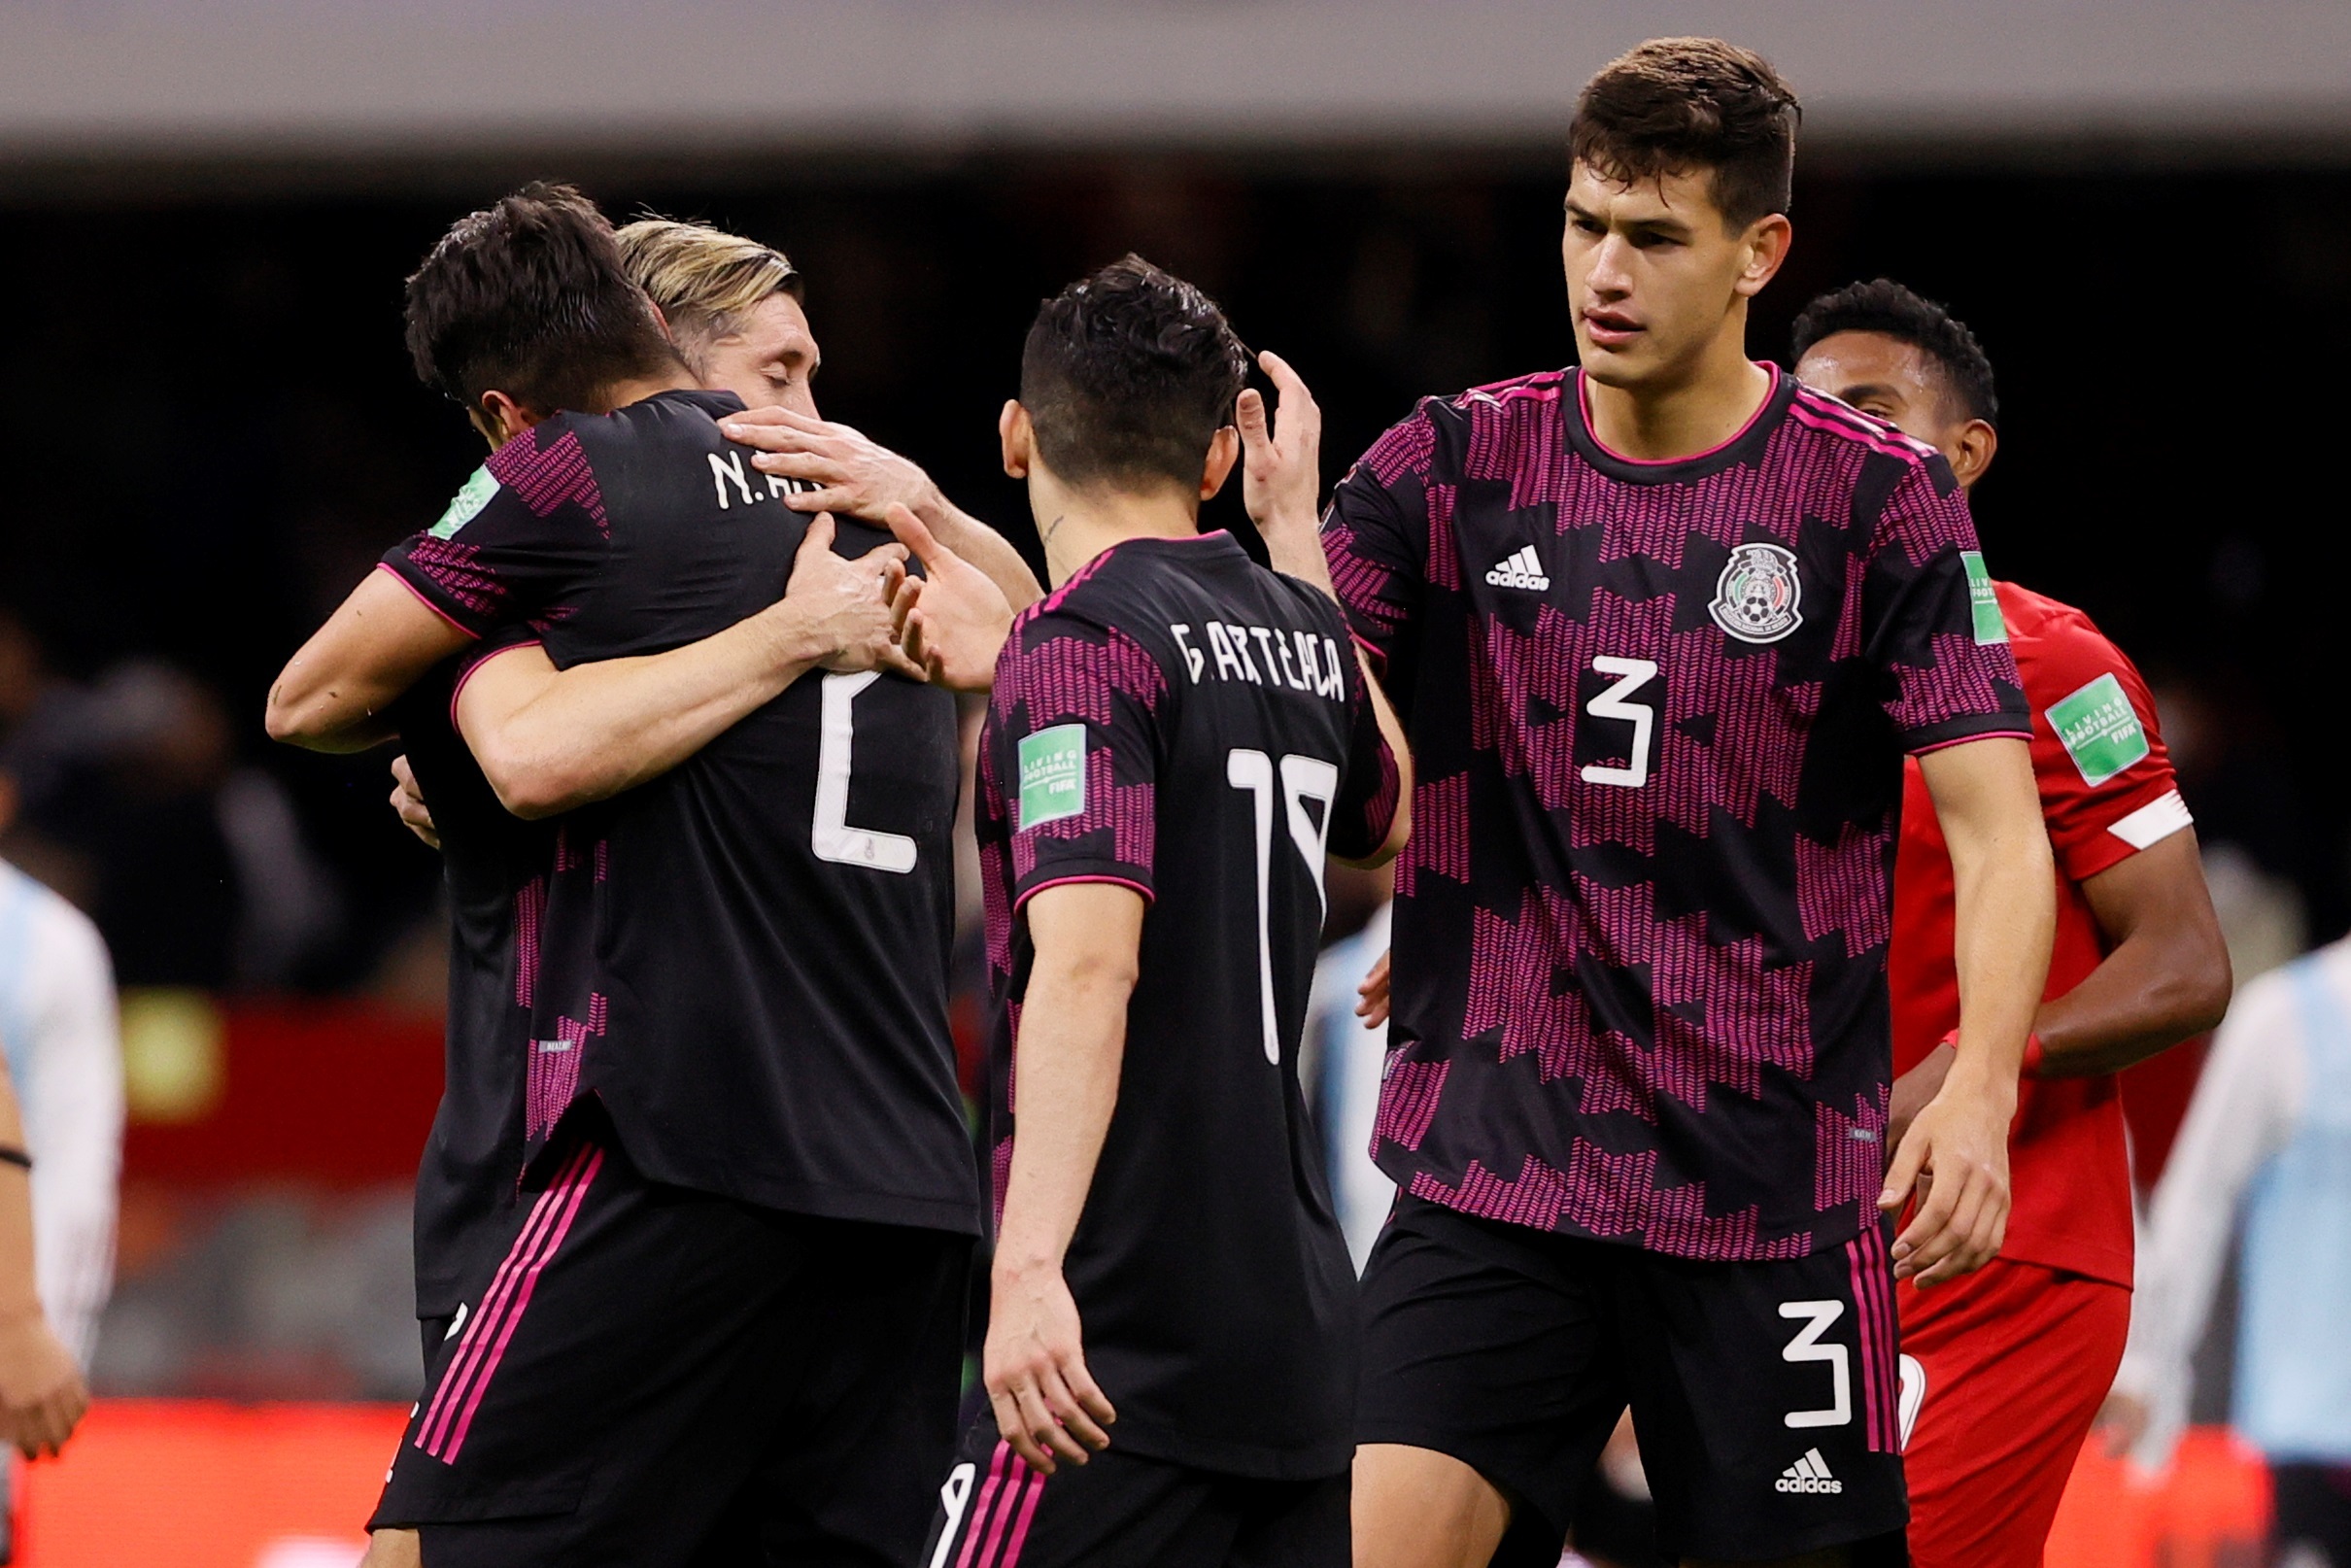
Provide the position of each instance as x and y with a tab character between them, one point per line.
1717	1013
1615	1196
1440	838
1408	1102
1849	1153
546	477
453	567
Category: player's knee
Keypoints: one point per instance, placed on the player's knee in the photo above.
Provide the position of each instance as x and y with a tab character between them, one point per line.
393	1549
1415	1508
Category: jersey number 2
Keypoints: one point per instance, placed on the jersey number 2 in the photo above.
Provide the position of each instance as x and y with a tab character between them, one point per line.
831	837
1303	779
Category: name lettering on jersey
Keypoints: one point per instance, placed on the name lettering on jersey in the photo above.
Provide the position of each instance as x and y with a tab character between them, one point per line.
2099	729
1301	661
729	469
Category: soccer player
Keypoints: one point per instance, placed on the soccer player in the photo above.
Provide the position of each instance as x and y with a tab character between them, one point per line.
1177	737
730	1319
1661	630
2004	1371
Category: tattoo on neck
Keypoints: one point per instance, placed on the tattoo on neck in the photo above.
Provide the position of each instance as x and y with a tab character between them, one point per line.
1047	540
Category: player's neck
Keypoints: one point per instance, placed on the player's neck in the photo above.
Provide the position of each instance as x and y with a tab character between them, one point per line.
636	389
1076	526
1687	415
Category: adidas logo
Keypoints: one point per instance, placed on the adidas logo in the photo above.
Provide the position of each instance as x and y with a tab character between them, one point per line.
1519	569
1809	1474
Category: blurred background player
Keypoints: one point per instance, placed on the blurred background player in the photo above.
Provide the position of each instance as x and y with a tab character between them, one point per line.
2265	1153
692	1114
2011	1363
64	1088
1171	1353
1662	631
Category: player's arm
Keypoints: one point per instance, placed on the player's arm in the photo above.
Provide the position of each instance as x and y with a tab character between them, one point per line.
332	695
1087	938
42	1394
857	477
2005	881
550	740
2165	978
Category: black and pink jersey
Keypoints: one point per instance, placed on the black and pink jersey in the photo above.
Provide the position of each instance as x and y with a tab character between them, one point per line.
1658	712
1180	721
744	959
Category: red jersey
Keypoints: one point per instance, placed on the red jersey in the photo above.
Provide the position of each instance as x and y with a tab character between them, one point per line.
2107	791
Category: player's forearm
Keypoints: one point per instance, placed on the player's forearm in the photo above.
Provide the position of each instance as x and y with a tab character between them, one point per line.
1391	732
2006	918
2165	977
1073	1038
332	695
986	548
1293	547
597	729
19	1295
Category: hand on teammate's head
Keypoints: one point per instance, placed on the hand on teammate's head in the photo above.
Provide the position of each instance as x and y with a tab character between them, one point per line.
1281	448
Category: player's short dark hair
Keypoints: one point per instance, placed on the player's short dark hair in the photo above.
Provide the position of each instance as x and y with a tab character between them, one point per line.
530	296
1885	306
1128	375
1682	105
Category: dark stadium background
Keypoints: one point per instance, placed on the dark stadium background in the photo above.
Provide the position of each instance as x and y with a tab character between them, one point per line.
211	427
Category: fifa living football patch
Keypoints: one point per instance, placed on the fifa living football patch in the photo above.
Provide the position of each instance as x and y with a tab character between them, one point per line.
1982	600
1052	774
466	504
2099	729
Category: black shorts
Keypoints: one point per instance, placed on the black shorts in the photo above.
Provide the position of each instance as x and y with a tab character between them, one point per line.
1763	1393
654	1376
1121	1509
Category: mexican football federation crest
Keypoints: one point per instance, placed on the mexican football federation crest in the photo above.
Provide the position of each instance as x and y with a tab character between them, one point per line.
1758	597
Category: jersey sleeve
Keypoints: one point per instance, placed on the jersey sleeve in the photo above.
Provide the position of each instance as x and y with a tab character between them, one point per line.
2107	788
1075	741
1366	808
1375	536
521	535
1930	621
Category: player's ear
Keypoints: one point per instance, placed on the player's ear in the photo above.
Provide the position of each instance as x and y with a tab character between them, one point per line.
1764	246
1971	452
500	418
1224	450
1019	438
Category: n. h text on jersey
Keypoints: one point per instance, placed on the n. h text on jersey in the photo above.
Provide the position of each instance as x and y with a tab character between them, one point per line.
1264	656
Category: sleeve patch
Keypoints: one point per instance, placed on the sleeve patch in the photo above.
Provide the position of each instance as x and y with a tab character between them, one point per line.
2153	823
1052	774
2099	729
466	504
1982	600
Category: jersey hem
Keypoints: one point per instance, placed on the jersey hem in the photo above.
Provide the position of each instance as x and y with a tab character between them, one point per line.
1020	900
427	599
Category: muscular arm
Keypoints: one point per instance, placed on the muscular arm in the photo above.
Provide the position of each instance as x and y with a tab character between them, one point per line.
332	696
549	740
1073	1036
1990	812
2165	977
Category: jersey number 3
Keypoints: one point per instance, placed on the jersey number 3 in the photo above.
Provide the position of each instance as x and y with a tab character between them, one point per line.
831	837
1615	703
1303	779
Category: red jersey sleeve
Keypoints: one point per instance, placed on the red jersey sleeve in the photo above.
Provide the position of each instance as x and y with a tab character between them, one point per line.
2107	788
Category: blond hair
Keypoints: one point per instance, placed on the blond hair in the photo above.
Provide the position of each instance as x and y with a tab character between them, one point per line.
706	280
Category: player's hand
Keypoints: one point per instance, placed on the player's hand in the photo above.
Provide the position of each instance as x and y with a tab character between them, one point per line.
1955	1160
42	1394
845	602
1372	1009
854	476
409	802
952	621
1047	1404
1914	1089
1281	457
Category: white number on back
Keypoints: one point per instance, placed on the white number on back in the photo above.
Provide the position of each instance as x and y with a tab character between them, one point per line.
1632	675
1303	779
831	837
